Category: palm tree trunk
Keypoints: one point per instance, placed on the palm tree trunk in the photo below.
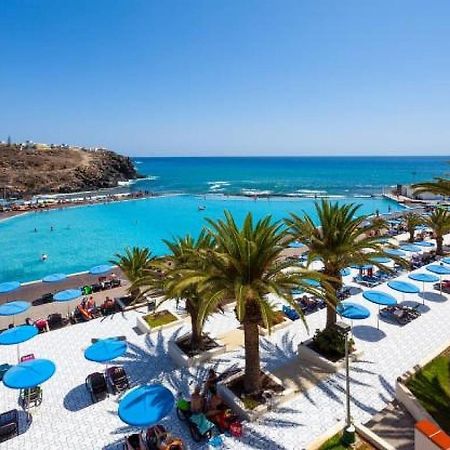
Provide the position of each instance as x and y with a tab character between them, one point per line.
252	377
411	236
196	331
439	245
331	301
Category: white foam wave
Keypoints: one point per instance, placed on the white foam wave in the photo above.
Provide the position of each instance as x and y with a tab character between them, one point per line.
255	192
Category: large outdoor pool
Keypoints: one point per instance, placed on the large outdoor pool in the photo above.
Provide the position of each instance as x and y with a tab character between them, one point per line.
77	238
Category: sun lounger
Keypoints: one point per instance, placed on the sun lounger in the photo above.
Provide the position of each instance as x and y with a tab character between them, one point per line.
97	387
56	321
117	379
31	397
27	357
290	313
9	425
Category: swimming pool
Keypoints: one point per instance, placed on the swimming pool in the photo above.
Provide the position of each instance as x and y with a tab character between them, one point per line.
77	238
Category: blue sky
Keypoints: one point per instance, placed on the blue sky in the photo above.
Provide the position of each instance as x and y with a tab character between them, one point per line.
228	77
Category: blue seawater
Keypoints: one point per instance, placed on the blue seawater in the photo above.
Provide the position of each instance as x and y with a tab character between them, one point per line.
89	235
286	175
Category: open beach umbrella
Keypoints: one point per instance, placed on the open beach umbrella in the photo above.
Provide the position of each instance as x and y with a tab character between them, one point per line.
362	266
296	244
311	282
29	374
9	286
67	295
381	259
14	308
352	311
146	405
424	243
424	278
394	252
379	298
54	278
105	350
18	335
446	260
99	270
439	270
410	248
345	272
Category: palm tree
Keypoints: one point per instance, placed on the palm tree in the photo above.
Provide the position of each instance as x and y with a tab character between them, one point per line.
340	239
247	265
413	220
186	255
441	186
133	263
439	222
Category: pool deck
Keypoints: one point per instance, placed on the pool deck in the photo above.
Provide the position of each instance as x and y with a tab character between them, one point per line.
68	420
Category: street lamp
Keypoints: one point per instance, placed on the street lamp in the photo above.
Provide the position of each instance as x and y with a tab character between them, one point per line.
348	437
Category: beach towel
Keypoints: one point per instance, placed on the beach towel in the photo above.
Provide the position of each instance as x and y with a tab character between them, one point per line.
203	424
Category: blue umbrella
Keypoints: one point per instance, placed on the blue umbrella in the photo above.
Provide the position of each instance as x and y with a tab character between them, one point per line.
296	244
9	286
362	266
311	282
424	244
146	405
379	298
345	272
13	308
98	270
439	270
29	374
105	350
17	335
67	295
410	248
446	260
394	252
54	278
424	278
403	286
381	259
352	311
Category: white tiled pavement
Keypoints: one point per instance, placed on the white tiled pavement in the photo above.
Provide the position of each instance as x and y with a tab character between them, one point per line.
68	420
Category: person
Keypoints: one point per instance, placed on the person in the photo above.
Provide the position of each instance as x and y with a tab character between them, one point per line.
197	402
211	382
108	304
40	324
90	305
215	404
44	257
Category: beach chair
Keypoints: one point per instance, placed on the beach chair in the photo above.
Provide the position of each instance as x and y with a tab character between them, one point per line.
97	387
3	369
290	313
9	425
30	397
27	357
56	321
117	379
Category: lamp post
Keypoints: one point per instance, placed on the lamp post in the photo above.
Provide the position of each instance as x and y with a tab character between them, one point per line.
348	436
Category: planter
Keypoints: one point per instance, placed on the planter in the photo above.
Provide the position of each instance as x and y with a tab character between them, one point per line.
279	326
144	327
181	359
238	406
307	353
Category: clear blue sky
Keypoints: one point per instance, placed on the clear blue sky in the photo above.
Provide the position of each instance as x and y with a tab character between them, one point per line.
231	77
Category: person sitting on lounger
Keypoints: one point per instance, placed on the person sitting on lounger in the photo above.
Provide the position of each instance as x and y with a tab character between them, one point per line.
215	404
91	308
197	401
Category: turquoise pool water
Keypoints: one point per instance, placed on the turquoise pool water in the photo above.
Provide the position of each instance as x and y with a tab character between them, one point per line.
86	236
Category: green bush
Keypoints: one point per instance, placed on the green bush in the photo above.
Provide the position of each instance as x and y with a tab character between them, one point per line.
331	343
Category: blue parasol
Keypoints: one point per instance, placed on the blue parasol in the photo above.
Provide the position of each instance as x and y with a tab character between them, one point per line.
345	272
29	374
54	278
424	243
9	286
439	270
403	286
14	308
381	259
67	295
394	252
105	350
379	298
98	270
352	311
424	278
146	405
410	248
17	335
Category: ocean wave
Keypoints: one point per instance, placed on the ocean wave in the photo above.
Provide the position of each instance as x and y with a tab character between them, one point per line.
217	186
310	191
255	192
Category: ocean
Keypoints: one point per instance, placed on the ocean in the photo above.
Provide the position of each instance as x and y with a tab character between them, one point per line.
80	237
288	176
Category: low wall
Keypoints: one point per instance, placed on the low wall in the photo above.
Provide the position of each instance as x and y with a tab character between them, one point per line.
428	436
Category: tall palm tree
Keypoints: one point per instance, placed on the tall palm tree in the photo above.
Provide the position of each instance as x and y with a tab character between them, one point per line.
441	186
187	254
247	265
133	263
412	220
339	239
439	222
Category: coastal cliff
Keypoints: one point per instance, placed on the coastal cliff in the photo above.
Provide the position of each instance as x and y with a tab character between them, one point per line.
34	170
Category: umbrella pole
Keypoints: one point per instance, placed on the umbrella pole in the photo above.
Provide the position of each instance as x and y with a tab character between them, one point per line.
18	353
423	292
378	318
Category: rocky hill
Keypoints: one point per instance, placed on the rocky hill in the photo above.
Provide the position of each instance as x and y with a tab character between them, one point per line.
28	171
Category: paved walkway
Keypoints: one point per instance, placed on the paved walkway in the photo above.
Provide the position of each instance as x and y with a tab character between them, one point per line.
67	419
